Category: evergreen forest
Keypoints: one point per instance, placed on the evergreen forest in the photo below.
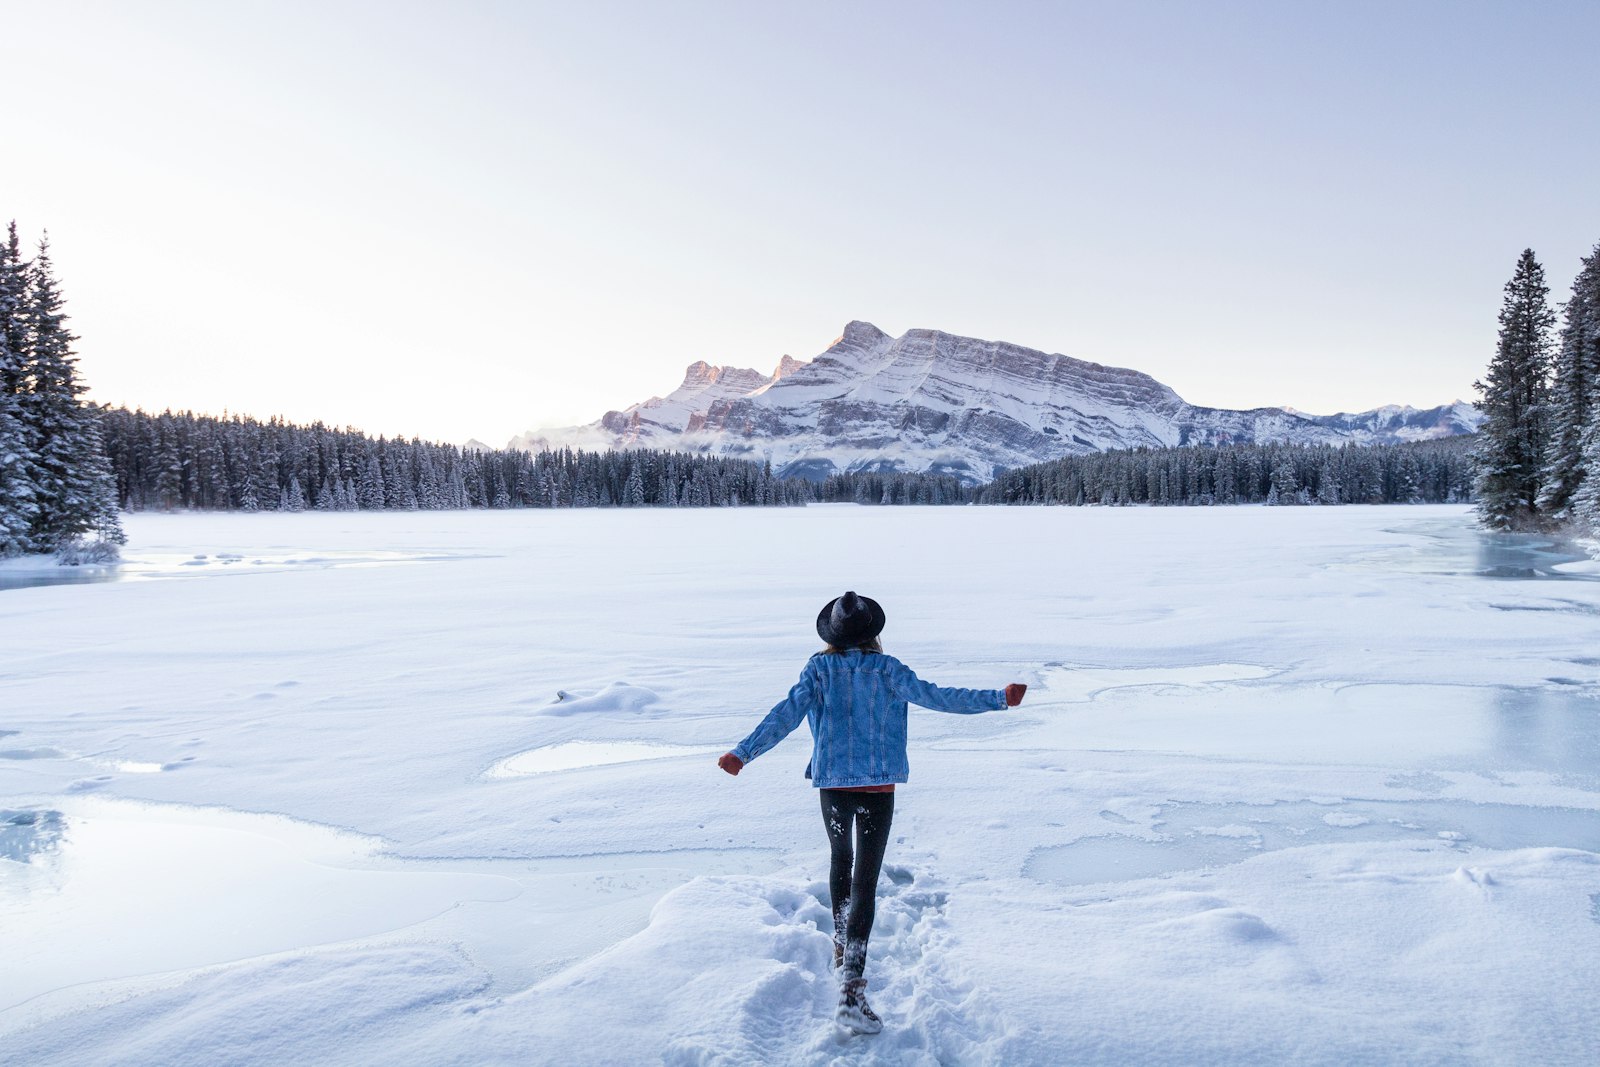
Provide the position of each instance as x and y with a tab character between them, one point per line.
1538	456
1422	472
185	461
234	463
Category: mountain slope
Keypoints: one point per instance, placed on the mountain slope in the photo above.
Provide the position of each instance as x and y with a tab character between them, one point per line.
933	401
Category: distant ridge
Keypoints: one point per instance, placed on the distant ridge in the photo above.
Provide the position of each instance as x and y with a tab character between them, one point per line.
929	401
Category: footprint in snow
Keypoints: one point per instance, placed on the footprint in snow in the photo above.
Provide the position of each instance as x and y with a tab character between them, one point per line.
926	1009
900	876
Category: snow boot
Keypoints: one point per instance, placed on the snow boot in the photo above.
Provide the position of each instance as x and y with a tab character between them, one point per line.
854	1011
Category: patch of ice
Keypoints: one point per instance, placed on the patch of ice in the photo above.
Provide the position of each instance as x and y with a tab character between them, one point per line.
26	834
162	565
32	753
1231	830
116	889
570	755
1068	683
1196	836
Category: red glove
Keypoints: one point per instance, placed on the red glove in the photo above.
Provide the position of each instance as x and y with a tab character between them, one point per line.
730	763
1014	693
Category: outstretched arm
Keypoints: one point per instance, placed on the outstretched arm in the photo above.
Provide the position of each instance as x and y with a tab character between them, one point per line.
779	723
914	690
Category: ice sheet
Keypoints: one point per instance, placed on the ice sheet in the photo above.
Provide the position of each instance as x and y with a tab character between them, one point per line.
1290	785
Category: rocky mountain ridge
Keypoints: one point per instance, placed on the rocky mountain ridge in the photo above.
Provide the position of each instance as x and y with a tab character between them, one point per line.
929	401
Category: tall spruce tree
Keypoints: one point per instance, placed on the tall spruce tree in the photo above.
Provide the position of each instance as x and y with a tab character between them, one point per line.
1515	400
76	492
17	504
1586	500
1576	392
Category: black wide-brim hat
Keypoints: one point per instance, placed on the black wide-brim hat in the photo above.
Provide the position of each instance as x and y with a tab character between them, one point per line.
850	620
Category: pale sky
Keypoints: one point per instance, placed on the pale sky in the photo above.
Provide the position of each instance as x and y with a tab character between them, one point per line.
467	220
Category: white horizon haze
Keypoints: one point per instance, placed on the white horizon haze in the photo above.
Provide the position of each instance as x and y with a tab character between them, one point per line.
470	223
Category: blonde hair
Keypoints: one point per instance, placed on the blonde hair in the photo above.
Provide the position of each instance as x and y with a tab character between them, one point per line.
872	644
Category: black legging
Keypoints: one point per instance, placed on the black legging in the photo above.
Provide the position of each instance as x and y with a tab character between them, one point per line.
853	874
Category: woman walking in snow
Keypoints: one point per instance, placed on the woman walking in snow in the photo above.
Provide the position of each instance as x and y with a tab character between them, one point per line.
854	696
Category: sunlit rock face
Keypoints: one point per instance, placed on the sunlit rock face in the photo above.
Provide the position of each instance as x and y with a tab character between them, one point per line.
932	401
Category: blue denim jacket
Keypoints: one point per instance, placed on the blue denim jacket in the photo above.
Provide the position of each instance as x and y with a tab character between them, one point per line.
856	705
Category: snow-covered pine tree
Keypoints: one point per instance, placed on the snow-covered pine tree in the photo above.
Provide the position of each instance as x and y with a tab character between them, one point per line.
17	504
76	492
1408	480
327	496
1576	391
1586	500
633	488
1514	435
1328	483
370	493
1227	480
1285	484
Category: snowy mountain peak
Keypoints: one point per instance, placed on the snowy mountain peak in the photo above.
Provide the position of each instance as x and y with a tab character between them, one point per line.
942	403
787	366
701	375
857	334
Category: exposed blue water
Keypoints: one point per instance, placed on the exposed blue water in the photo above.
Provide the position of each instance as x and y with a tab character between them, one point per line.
1456	546
58	576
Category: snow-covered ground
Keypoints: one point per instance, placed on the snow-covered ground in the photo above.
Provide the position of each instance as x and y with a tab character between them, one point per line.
1291	785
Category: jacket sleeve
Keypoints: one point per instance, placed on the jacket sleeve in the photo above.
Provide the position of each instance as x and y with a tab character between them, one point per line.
781	720
914	690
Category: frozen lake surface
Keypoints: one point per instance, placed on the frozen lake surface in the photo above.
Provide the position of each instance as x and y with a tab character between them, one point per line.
1290	785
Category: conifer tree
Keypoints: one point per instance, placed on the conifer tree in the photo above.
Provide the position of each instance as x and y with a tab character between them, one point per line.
1576	392
17	504
1515	400
76	492
1586	500
1328	483
633	489
1284	483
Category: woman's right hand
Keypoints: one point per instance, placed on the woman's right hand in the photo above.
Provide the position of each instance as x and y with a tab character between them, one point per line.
730	763
1014	693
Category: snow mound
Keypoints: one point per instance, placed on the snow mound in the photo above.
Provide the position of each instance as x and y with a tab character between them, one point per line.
618	696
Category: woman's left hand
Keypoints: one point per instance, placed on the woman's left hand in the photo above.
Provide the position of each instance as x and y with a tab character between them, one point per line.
730	763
